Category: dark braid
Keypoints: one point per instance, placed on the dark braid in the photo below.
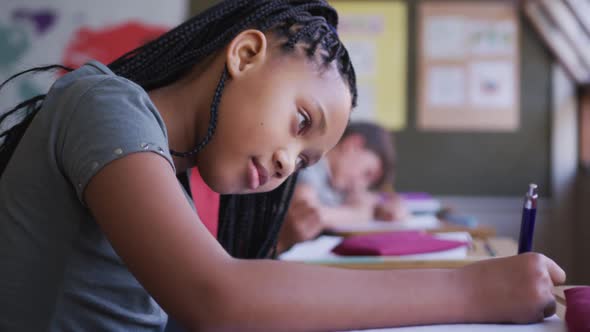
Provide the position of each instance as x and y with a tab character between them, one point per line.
212	122
265	211
11	136
249	224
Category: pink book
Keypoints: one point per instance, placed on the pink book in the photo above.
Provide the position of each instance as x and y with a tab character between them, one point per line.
394	244
577	311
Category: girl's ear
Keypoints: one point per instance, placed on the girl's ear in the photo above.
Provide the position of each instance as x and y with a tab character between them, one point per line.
247	50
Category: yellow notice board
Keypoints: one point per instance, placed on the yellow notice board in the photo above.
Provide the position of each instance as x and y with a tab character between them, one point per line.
375	34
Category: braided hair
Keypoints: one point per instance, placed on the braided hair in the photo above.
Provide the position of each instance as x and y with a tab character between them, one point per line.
249	224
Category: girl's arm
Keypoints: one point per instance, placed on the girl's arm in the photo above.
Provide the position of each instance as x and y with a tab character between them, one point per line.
350	213
334	216
140	207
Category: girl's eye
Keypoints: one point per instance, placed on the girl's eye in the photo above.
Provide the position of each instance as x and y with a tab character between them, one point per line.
303	122
302	162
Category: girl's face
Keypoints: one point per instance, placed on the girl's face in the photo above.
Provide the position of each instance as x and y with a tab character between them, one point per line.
355	169
278	113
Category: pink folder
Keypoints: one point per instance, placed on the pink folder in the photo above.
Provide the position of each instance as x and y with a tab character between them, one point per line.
394	244
577	312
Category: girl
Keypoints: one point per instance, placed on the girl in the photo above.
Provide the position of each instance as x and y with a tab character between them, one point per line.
97	234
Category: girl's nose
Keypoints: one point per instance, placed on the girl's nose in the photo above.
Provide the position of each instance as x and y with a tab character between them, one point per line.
283	165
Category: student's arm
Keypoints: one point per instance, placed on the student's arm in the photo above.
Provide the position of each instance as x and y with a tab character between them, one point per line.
345	215
302	221
391	208
307	217
357	209
140	207
364	207
352	212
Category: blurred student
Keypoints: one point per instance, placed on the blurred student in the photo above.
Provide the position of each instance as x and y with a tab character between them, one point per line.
352	184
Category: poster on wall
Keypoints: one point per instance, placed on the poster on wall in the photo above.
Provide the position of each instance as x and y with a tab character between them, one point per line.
72	32
468	66
375	34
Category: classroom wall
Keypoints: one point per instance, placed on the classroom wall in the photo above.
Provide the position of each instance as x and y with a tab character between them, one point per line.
197	6
582	230
481	164
582	216
559	231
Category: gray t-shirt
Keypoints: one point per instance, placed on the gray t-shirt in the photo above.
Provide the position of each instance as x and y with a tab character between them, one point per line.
318	177
59	272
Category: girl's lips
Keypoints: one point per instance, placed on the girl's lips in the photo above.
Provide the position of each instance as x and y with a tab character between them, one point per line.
258	175
253	178
262	173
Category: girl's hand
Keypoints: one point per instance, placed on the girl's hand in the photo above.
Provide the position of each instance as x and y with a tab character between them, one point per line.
363	202
390	208
302	223
514	289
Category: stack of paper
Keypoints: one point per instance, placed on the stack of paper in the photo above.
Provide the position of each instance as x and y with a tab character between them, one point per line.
420	203
422	222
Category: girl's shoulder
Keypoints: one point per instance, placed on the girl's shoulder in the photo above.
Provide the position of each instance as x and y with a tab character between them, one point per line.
94	79
97	117
93	91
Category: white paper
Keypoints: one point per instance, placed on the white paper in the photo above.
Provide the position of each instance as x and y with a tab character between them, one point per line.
446	86
552	324
361	24
492	38
492	84
421	222
316	249
363	53
445	37
422	205
366	109
320	250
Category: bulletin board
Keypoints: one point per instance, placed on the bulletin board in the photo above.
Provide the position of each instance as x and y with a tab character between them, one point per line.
468	66
375	35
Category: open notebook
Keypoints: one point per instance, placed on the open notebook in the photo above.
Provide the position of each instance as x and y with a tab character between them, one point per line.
421	222
552	324
320	250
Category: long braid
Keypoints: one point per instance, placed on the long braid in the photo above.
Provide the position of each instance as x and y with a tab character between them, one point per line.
248	223
11	136
212	122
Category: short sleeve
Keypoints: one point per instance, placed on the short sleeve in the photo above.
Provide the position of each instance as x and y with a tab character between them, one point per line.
110	120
